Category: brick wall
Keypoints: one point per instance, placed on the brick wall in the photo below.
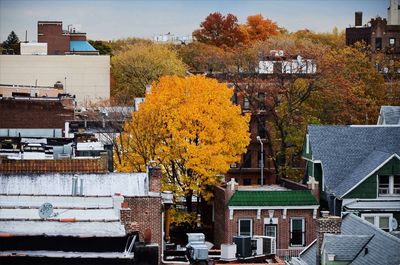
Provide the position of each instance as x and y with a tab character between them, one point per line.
62	165
52	34
16	113
283	227
141	213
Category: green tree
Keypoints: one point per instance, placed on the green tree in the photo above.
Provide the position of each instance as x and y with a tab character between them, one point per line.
12	43
104	47
139	65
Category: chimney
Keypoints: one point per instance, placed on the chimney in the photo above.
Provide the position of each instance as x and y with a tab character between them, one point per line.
313	185
154	174
326	224
358	22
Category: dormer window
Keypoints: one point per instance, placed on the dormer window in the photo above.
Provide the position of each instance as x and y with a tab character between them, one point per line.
388	185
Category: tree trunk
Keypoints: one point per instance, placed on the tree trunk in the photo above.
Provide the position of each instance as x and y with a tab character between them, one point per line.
189	206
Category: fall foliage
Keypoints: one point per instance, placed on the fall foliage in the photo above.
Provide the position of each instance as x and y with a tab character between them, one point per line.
191	128
259	28
221	31
138	65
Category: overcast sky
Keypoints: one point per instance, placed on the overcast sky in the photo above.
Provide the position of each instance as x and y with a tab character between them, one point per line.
113	19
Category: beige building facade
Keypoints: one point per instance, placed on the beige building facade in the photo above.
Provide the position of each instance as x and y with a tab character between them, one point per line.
87	77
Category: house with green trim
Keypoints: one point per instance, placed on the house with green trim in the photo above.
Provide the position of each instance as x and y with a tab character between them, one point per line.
356	169
270	210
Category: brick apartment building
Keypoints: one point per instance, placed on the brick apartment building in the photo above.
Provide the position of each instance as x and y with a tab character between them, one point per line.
287	215
60	41
381	34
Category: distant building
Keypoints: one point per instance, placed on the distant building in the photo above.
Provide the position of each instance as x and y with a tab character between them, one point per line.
61	42
382	35
171	38
85	76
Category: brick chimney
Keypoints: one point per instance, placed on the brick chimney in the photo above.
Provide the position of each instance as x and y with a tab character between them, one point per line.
326	224
154	173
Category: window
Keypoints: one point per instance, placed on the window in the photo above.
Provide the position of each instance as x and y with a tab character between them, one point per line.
382	221
388	185
246	182
378	43
245	227
247	160
246	103
297	232
392	42
270	230
261	128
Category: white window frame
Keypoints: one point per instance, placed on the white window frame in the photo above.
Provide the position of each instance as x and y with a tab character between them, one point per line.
307	143
376	217
271	225
251	226
391	186
303	231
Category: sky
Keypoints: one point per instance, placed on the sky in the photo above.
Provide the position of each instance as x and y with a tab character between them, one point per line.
115	19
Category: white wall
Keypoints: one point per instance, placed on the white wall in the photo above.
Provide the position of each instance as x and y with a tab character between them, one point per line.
88	76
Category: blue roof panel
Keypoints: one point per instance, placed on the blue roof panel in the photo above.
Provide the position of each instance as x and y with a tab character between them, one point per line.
81	46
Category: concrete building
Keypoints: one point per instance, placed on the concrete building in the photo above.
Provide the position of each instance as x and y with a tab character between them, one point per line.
85	76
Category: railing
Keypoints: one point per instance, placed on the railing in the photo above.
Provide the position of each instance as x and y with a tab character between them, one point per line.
287	254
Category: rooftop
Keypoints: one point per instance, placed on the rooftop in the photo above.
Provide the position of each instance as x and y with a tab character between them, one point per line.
350	153
272	198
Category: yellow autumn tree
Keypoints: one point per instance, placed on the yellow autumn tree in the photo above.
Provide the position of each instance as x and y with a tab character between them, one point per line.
191	128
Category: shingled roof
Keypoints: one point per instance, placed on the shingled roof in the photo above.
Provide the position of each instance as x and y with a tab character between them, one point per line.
356	236
349	153
273	198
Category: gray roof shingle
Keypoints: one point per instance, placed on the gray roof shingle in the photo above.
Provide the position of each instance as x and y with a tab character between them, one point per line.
345	247
383	248
350	153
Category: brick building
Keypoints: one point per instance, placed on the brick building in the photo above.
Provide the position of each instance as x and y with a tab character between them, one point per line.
381	34
60	41
36	112
287	215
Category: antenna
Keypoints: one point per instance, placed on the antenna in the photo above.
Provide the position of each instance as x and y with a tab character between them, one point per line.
45	210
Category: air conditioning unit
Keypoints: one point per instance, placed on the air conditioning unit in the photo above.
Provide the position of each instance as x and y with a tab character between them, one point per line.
257	246
243	246
228	252
266	245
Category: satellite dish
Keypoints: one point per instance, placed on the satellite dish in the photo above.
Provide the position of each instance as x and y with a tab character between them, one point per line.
45	210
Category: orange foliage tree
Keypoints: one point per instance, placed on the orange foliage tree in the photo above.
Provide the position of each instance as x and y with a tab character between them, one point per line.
192	129
220	31
260	28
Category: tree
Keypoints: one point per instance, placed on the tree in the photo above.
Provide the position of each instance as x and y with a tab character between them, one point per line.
190	127
259	28
221	31
12	43
103	47
139	65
